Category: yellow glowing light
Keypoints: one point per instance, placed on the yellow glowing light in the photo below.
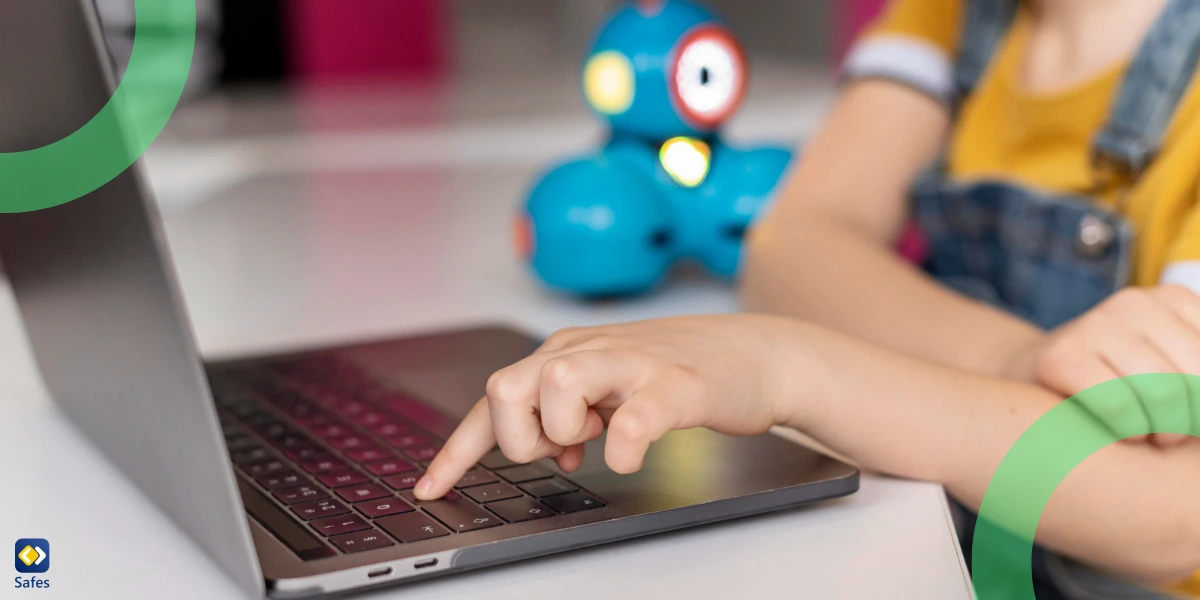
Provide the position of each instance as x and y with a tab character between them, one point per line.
686	160
608	82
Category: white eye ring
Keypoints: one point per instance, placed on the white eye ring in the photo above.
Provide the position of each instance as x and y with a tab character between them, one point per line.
709	76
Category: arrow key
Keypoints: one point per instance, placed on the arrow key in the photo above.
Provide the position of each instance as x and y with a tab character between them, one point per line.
411	527
520	509
340	525
462	515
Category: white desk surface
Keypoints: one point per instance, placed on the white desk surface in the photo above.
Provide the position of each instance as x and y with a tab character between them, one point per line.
289	258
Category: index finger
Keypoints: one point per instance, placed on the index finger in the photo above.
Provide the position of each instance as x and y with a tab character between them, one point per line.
473	438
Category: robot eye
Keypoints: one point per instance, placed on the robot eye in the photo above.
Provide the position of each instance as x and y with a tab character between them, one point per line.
608	82
709	76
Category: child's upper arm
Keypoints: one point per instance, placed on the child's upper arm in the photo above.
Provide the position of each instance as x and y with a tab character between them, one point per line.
913	43
887	125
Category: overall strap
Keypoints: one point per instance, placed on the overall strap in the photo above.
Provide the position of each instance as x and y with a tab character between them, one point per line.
985	24
1157	79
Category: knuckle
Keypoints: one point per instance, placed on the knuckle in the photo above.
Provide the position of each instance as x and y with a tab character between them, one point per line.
1114	409
562	337
502	387
560	373
627	426
1168	395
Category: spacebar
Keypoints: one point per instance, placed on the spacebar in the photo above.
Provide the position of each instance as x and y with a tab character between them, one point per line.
306	545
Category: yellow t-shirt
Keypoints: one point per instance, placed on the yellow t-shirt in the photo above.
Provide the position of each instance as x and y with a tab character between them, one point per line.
1043	140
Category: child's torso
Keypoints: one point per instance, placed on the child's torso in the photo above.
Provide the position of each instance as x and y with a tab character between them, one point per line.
1043	141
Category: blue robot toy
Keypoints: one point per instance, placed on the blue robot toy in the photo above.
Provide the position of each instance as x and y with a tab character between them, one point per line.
665	75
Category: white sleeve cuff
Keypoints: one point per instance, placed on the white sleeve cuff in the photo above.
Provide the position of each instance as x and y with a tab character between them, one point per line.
1185	274
909	61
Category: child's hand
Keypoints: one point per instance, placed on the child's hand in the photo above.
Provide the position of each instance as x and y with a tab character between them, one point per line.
1136	331
727	373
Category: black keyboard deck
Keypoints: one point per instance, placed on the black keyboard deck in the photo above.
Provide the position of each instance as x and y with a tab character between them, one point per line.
330	445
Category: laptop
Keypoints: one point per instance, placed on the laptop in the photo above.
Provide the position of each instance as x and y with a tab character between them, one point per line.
295	472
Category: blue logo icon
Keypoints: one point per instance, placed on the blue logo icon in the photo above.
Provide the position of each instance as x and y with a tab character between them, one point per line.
32	555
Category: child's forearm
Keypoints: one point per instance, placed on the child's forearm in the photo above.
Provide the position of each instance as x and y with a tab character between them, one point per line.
871	293
823	253
907	417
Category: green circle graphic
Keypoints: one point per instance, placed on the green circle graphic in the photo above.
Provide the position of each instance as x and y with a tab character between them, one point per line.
1047	452
79	164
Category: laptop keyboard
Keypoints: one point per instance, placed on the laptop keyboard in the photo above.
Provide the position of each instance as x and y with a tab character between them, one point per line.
335	449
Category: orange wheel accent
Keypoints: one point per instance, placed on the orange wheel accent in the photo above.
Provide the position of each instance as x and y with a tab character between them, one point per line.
523	236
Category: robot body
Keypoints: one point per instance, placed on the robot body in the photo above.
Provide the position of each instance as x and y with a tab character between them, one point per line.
666	75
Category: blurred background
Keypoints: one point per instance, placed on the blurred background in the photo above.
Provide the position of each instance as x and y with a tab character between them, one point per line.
323	143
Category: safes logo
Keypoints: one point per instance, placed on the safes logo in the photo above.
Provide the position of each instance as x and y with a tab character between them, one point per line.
32	555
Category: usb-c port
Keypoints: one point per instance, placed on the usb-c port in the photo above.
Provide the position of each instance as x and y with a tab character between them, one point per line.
379	572
421	564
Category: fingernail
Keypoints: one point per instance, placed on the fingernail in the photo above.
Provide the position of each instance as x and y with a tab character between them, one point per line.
423	486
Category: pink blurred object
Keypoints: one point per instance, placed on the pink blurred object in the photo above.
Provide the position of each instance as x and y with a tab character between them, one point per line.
853	17
913	244
367	39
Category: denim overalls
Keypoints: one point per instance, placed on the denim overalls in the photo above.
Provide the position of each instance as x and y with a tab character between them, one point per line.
1049	258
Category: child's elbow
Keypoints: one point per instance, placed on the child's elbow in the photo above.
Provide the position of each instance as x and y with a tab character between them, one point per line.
1172	559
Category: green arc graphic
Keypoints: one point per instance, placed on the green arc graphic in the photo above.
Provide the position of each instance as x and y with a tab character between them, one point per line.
1047	452
123	130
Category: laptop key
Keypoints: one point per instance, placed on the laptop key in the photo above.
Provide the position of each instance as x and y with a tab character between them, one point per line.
523	473
366	491
390	430
298	494
412	498
383	507
369	455
274	430
340	525
548	487
520	509
264	467
403	481
350	442
462	515
361	541
294	440
491	492
286	478
496	460
239	443
476	477
389	467
370	418
339	479
319	508
412	527
423	453
331	431
406	440
324	465
573	502
249	455
306	453
314	420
